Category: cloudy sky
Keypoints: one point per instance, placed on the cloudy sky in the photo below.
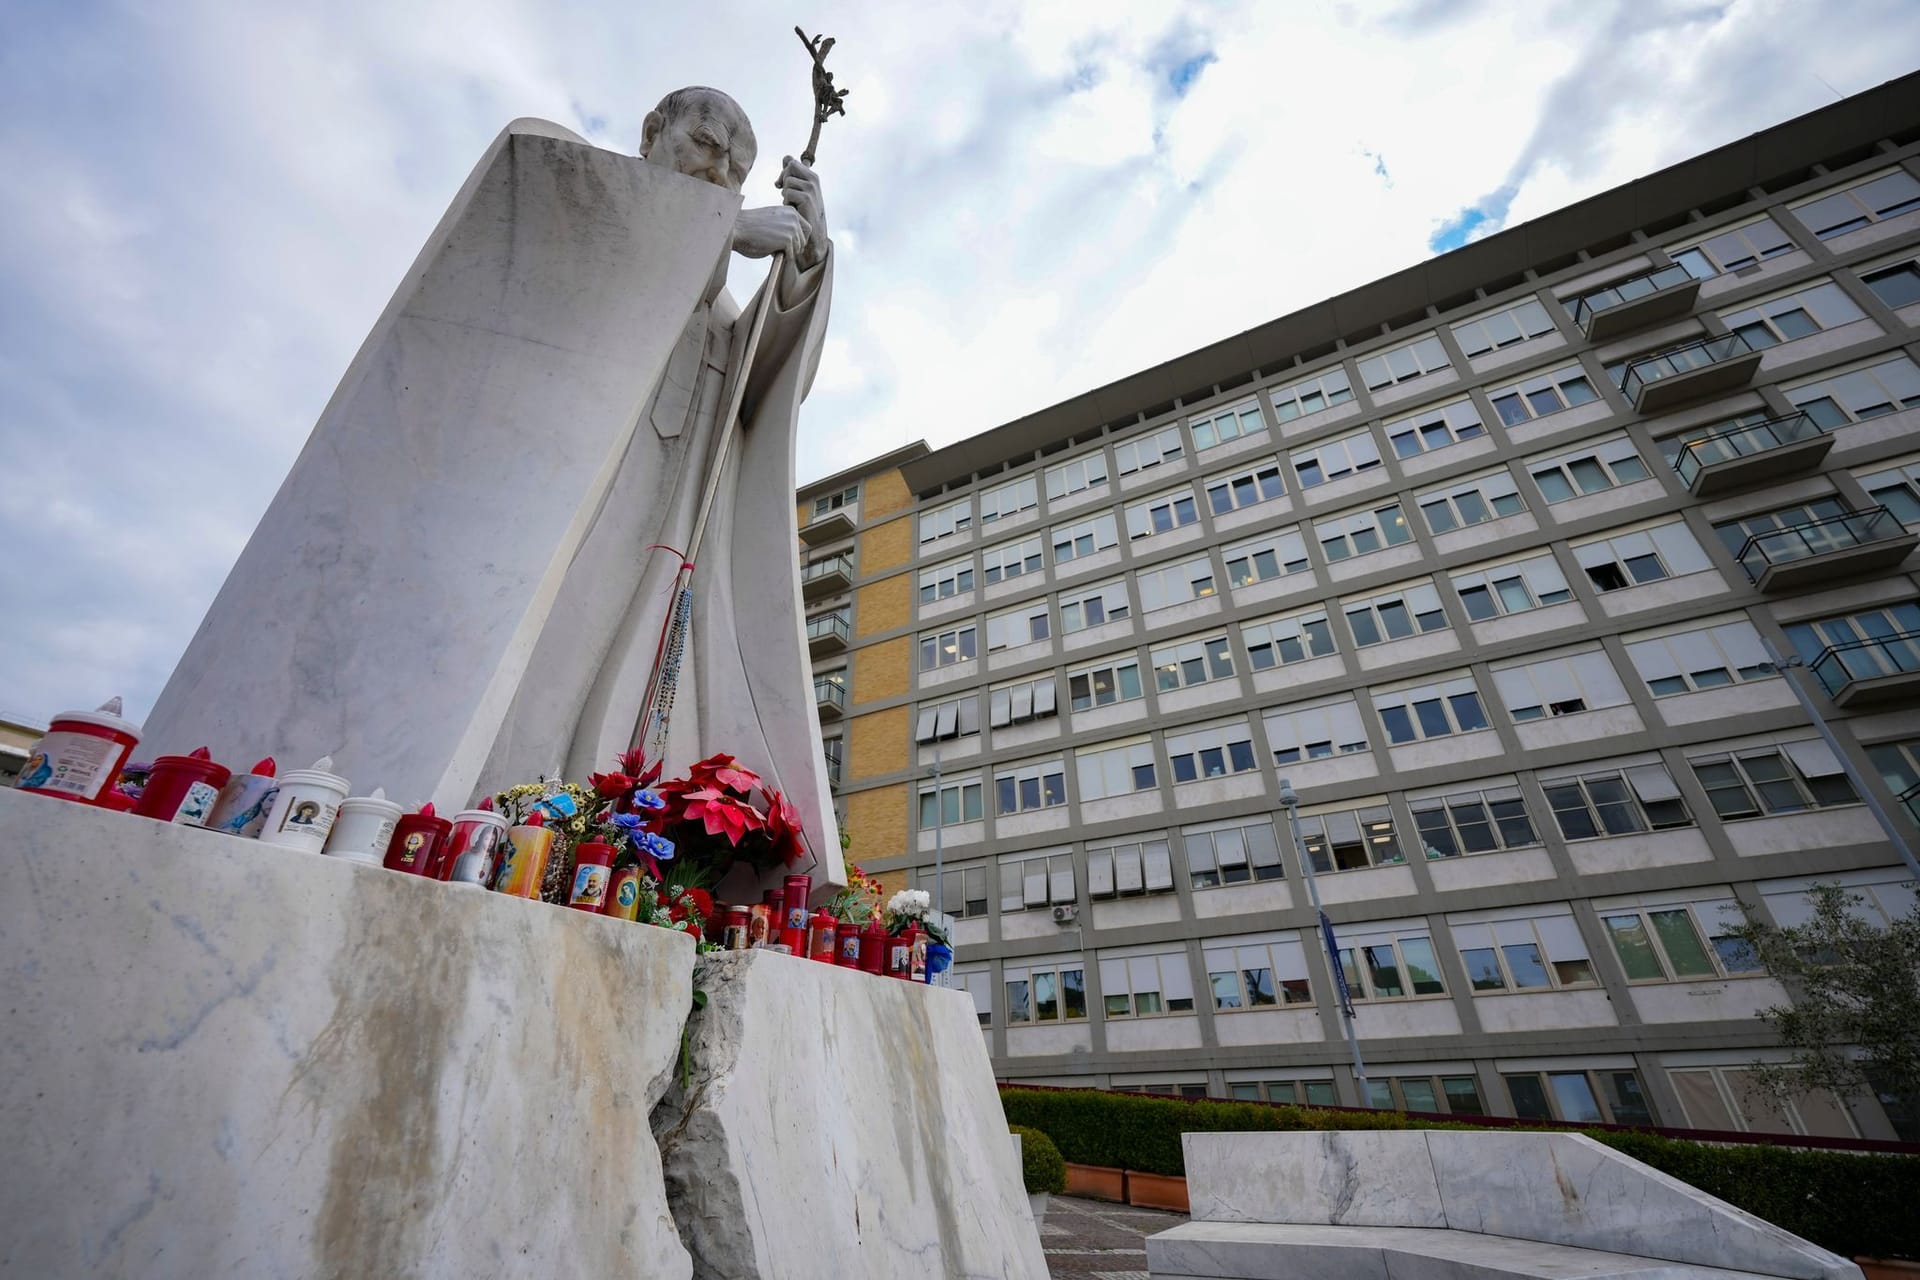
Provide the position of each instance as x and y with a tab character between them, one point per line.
204	205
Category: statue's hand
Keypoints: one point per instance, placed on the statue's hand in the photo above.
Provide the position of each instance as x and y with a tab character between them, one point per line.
801	188
761	233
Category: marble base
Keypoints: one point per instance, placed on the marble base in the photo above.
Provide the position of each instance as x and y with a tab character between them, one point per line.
227	1059
838	1123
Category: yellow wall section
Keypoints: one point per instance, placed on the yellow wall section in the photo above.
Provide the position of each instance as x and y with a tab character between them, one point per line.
880	670
886	546
882	606
879	744
877	821
882	495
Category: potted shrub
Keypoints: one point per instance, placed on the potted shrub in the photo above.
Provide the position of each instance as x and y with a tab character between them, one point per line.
1041	1167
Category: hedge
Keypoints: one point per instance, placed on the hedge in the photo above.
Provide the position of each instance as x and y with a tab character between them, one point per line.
1856	1205
1041	1165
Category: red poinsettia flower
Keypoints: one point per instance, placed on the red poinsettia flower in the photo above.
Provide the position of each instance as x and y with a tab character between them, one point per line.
612	786
722	814
783	828
724	771
690	902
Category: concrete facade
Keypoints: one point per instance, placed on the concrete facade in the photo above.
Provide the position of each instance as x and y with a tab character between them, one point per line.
1466	557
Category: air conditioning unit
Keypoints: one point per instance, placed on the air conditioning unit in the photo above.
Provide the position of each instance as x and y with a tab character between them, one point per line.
1066	913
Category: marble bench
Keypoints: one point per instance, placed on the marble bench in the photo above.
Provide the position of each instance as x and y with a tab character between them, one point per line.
1457	1205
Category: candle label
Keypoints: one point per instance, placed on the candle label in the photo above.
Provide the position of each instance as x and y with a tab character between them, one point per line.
897	958
850	946
309	817
589	885
628	896
74	764
199	803
411	847
797	919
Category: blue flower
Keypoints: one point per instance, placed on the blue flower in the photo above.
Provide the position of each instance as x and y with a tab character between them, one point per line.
647	800
659	846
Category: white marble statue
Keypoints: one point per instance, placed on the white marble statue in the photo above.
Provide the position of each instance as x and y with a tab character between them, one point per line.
456	586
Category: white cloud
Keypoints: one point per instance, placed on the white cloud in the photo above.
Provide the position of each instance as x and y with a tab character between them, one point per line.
208	204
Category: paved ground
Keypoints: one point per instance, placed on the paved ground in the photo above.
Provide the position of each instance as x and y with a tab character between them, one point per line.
1094	1240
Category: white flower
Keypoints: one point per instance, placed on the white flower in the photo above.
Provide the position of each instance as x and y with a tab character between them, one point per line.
910	902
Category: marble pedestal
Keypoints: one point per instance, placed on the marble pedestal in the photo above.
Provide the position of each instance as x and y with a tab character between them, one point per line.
837	1123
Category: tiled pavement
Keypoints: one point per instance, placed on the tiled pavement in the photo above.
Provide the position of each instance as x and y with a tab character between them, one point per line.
1094	1240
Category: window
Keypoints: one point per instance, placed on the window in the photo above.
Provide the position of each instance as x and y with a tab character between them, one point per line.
1898	764
1728	1098
1871	200
1026	625
1092	606
1186	663
1877	898
1855	395
1336	459
1898	490
1259	483
1435	428
1134	867
1390	965
1045	991
1580	1097
1269	556
1162	513
1473	501
1314	1093
1022	788
832	750
1734	250
1897	286
1102	685
1404	364
1115	769
1542	394
828	503
1084	537
1212	751
1797	315
965	894
1559	686
1678	941
1235	852
1021	701
1532	953
1314	733
1350	839
1885	631
1645	555
1518	587
944	581
1311	395
945	648
1010	560
1009	500
1735	534
1768	781
1361	532
942	720
1228	424
979	985
1442	1095
1705	658
1036	880
945	522
1142	986
1149	450
1068	478
1597	467
1431	710
1267	971
1503	328
1175	584
1485	820
1616	803
950	803
1294	638
1395	615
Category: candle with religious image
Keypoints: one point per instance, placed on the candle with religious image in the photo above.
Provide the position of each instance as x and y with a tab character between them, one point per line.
472	848
304	808
80	755
364	829
529	845
592	864
242	807
416	839
183	789
623	893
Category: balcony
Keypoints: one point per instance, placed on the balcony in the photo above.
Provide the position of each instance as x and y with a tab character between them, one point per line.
1865	673
827	634
1636	303
830	698
833	764
829	577
1749	453
1820	551
835	526
1708	367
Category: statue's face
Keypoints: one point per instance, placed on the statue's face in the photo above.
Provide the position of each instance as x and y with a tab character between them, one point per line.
707	137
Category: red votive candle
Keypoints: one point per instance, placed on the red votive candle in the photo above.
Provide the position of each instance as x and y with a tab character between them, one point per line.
873	947
183	789
796	892
847	943
821	935
592	864
416	839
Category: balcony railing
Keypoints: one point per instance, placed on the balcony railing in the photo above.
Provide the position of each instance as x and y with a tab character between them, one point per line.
1750	452
824	577
1846	543
1875	669
1634	303
1910	801
833	769
1699	368
828	633
831	527
830	697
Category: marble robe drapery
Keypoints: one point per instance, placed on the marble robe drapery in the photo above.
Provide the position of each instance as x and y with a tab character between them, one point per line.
746	682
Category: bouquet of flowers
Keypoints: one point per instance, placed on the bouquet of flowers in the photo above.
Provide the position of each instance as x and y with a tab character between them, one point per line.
910	905
859	902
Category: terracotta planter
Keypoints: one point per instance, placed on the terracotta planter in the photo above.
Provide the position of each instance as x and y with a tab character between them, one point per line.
1887	1268
1095	1182
1157	1191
